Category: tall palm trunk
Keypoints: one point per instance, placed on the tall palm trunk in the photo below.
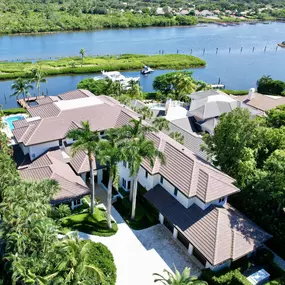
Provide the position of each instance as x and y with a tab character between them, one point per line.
39	91
134	196
109	201
92	185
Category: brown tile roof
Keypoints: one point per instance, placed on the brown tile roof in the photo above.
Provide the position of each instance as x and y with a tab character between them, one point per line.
101	117
51	165
80	161
44	111
47	100
261	102
226	234
75	94
190	174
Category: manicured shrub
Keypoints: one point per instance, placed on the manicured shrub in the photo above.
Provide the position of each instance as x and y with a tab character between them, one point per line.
235	92
242	263
14	111
100	256
61	211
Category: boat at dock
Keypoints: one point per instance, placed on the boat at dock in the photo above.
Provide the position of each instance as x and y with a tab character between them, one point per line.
118	77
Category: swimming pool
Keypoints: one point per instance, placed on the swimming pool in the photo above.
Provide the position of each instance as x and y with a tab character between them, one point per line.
9	120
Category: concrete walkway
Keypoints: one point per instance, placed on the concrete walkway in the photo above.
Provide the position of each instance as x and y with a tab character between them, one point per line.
139	254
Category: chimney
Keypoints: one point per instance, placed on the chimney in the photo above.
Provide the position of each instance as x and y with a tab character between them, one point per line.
250	93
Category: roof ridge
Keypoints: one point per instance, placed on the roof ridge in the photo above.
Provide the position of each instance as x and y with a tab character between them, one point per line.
192	179
225	182
216	234
41	120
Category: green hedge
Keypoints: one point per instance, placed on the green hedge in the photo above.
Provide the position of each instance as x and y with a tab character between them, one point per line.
224	277
100	256
14	111
236	92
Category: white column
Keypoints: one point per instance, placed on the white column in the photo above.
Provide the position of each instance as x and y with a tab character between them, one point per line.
175	233
190	249
99	176
72	205
161	218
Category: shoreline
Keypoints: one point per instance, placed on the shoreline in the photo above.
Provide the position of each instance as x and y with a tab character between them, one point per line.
201	21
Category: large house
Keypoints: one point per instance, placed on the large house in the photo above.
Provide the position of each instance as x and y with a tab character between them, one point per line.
189	193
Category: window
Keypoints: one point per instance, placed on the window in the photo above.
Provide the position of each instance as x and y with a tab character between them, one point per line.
175	191
221	200
146	174
129	185
102	133
124	163
77	202
60	142
124	183
161	180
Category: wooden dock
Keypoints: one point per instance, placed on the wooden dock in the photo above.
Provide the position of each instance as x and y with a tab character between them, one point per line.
24	103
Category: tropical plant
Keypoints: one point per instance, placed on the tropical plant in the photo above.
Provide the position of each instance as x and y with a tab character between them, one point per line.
202	86
82	53
134	90
145	112
178	279
73	263
177	136
38	78
86	140
137	150
110	154
161	123
135	129
21	87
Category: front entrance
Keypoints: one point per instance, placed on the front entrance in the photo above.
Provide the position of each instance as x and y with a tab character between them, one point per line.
183	239
199	256
168	225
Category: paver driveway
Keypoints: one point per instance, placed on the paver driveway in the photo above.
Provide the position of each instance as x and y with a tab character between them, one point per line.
139	254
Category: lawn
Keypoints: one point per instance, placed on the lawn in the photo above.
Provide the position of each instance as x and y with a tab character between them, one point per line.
144	218
95	224
69	65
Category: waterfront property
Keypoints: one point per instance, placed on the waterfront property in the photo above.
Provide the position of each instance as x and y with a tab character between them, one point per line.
189	194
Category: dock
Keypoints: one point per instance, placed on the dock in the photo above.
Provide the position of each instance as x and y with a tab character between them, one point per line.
24	103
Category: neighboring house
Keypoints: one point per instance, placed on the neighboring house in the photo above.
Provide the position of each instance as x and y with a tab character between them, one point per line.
159	11
189	193
260	101
184	12
207	106
205	13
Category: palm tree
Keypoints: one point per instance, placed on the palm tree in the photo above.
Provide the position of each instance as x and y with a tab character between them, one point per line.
110	154
21	87
178	279
134	90
177	136
38	78
184	84
161	123
73	262
136	151
135	129
202	86
86	140
145	112
82	52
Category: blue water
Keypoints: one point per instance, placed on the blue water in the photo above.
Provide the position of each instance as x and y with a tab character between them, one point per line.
237	68
10	120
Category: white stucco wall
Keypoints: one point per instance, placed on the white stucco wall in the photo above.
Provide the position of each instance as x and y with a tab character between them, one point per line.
124	173
148	182
218	267
68	141
38	149
170	189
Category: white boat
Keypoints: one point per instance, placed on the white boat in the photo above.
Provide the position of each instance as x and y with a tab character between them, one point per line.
146	70
117	76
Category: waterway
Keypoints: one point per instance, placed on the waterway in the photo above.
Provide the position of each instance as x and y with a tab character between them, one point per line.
237	55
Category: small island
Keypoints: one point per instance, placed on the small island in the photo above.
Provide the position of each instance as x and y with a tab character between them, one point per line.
83	64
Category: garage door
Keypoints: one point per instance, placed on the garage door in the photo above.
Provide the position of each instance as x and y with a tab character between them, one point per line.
168	225
183	239
199	256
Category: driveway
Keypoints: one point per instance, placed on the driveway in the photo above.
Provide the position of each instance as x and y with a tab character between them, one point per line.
139	254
